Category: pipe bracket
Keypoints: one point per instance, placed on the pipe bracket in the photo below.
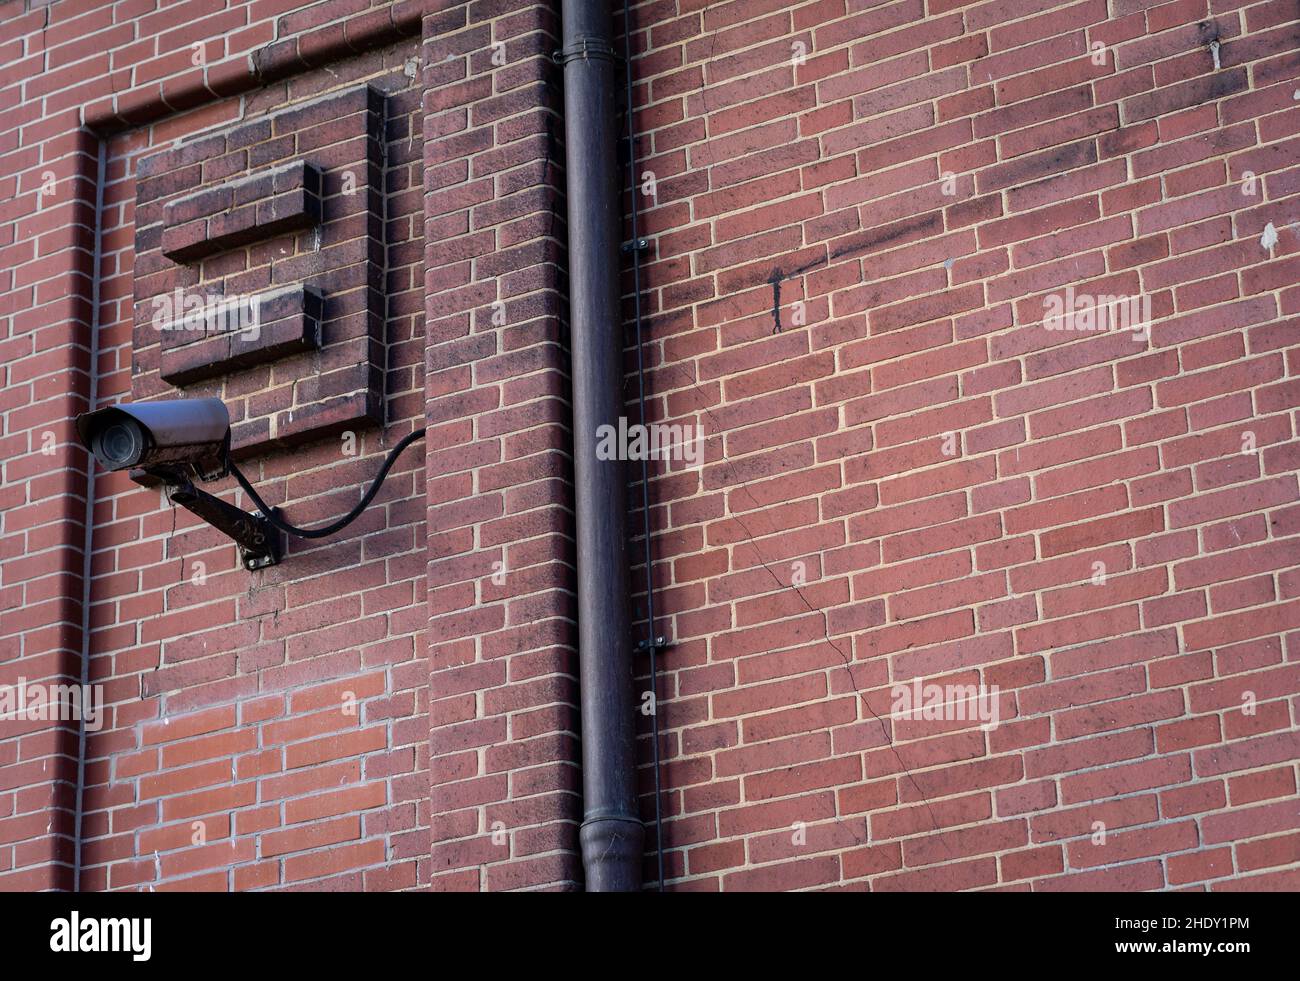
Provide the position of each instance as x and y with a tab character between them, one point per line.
588	49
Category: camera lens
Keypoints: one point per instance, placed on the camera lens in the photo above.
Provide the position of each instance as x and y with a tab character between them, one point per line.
119	445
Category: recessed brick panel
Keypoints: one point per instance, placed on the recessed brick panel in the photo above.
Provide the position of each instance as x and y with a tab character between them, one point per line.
293	199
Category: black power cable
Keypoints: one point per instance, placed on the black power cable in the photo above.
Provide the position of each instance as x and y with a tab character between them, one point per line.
652	644
342	522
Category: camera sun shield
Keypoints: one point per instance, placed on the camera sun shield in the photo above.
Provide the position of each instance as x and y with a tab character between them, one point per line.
188	435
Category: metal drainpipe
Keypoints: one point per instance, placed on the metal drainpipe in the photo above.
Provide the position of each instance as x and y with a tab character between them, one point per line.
612	833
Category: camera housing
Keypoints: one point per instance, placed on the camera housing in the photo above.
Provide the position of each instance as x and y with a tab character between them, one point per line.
178	441
187	437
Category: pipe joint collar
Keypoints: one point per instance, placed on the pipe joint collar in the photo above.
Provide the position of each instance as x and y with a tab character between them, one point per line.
611	854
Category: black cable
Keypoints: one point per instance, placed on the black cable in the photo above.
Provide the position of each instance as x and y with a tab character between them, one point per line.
342	522
653	642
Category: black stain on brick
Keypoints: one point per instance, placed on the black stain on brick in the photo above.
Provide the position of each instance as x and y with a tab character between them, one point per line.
873	239
775	280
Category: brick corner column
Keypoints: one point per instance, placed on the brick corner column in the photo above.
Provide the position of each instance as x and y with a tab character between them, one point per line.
503	691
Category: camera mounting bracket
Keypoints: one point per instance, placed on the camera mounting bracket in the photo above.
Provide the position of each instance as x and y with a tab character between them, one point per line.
257	538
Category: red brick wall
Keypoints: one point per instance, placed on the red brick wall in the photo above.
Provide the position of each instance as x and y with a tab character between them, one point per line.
856	212
263	730
941	473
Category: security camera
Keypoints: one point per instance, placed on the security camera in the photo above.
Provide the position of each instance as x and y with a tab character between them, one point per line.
183	440
186	437
179	441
